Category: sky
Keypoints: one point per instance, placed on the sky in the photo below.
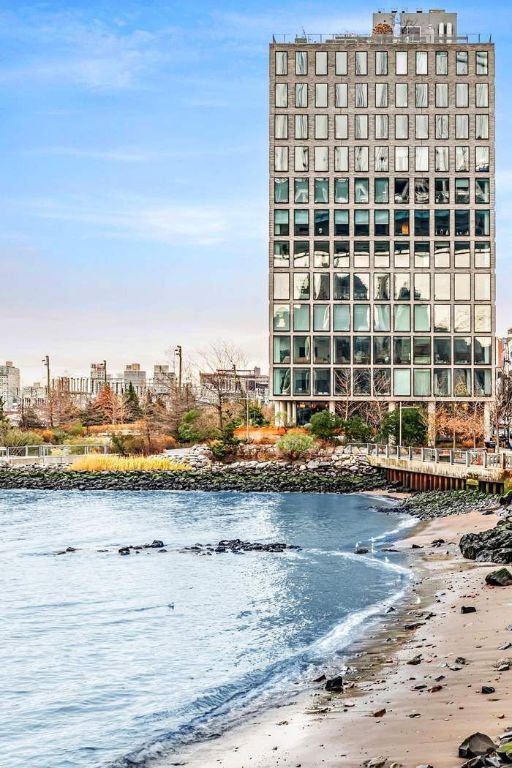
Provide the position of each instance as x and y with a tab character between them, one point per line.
133	173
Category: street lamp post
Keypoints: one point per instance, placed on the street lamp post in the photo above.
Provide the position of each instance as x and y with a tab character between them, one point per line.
46	361
179	354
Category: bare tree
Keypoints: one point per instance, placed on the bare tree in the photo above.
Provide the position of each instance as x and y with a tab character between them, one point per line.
219	381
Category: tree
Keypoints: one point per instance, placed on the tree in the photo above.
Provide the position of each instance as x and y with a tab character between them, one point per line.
357	430
461	423
131	403
326	425
220	384
109	405
294	445
30	419
413	429
3	417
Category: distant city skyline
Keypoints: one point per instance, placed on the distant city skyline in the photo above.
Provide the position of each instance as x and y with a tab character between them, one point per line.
134	166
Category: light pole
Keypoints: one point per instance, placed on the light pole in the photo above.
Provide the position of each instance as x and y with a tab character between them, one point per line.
46	361
179	354
400	423
105	372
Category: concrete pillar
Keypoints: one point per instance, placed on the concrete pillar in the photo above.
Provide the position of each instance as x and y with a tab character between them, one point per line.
431	425
487	422
391	408
288	413
332	406
278	416
294	413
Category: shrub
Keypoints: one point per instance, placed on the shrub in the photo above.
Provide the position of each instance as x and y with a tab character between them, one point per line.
326	425
294	445
357	430
414	428
227	446
12	437
102	463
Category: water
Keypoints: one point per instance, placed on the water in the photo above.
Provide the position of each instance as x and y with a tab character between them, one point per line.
104	657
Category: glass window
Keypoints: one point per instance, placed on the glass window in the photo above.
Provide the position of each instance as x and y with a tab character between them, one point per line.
401	62
482	318
442	255
401	190
382	190
442	287
462	158
441	94
341	286
281	222
421	286
442	190
462	95
341	190
281	253
382	381
401	95
301	62
321	255
421	383
482	287
442	382
281	192
361	223
462	62
321	190
401	159
483	382
462	350
401	382
362	191
381	286
442	159
281	381
462	255
402	317
442	126
421	159
362	382
421	350
301	317
301	222
361	286
382	317
341	95
341	317
482	63
421	317
342	382
421	223
461	223
341	159
301	95
462	382
381	62
402	255
342	354
321	127
362	350
442	323
483	350
381	155
421	190
481	127
301	194
281	159
421	93
281	286
442	351
321	63
442	223
381	223
361	63
381	254
341	251
361	159
402	286
321	159
361	93
402	350
341	62
322	350
321	381
441	62
401	126
421	63
381	350
282	349
381	95
321	95
281	126
301	349
301	381
281	317
361	126
481	95
361	317
462	286
321	286
301	286
422	126
341	224
482	223
461	126
281	95
402	223
321	222
462	191
482	191
482	159
341	126
482	255
301	159
281	63
462	318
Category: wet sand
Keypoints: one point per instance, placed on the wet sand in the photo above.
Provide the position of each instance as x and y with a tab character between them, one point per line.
421	725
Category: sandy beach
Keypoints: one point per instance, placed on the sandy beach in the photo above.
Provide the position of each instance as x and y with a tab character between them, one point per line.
412	714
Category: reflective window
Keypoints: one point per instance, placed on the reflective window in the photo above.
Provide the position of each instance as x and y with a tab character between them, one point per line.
341	191
441	94
442	223
321	381
421	286
342	354
281	95
281	190
301	221
381	291
421	383
341	95
462	223
442	351
442	287
421	93
442	159
301	194
321	159
382	381
381	126
482	223
421	126
361	317
341	224
361	159
381	350
421	317
301	155
281	159
482	159
482	191
422	190
462	158
301	62
462	191
462	382
361	62
341	252
462	255
341	286
402	286
301	95
321	127
422	255
402	255
321	219
361	223
322	350
382	190
281	222
362	382
321	286
402	350
321	254
381	223
442	126
282	349
361	95
402	317
462	95
281	63
401	126
301	317
401	95
341	62
381	63
462	318
281	317
421	63
482	63
442	382
421	159
281	381
483	350
462	62
482	287
301	253
401	382
441	62
341	317
462	350
281	126
382	317
402	223
462	126
321	63
442	255
401	190
483	382
321	190
421	350
341	159
362	350
321	95
381	254
482	318
482	255
281	253
481	95
281	286
341	126
301	286
381	95
301	381
361	190
301	349
401	62
462	286
361	286
442	322
362	254
342	381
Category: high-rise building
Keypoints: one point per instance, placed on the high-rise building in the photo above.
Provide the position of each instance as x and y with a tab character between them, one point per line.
10	388
382	199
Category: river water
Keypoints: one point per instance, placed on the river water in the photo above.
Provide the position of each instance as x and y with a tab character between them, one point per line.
106	660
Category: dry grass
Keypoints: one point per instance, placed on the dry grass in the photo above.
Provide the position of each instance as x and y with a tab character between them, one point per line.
97	463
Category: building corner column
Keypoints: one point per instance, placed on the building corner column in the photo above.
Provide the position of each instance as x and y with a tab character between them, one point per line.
431	425
488	426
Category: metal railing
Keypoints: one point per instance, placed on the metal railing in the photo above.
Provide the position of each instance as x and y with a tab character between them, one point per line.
48	451
317	37
474	457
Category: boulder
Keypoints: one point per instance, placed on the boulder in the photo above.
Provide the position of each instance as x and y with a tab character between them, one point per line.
500	578
476	745
335	684
493	545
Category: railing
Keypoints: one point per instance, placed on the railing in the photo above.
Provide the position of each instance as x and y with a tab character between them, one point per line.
317	37
472	458
41	453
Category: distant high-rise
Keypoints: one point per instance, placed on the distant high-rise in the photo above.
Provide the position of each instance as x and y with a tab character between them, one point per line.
382	240
10	387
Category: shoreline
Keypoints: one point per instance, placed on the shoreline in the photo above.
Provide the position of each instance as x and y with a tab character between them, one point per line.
424	721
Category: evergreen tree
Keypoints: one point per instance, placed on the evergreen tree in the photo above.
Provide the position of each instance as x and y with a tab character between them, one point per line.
131	402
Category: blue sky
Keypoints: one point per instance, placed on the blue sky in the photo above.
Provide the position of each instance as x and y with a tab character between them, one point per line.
133	173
